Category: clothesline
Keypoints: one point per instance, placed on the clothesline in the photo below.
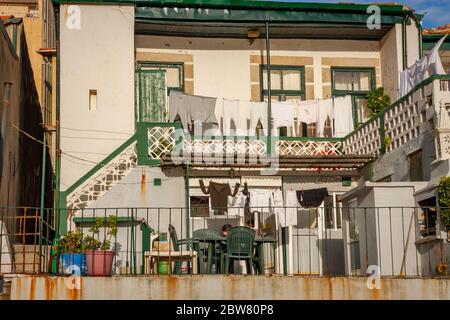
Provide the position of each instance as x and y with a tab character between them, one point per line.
237	114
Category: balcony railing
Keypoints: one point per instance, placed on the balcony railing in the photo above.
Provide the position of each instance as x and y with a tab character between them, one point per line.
407	119
324	241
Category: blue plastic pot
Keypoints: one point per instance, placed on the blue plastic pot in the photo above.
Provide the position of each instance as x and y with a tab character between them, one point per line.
72	263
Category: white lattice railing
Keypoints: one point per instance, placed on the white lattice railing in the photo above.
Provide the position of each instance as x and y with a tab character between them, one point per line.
413	115
161	140
239	147
364	141
103	179
308	147
402	123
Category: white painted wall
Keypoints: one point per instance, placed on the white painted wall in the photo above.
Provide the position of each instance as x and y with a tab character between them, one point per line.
222	66
412	36
391	60
99	56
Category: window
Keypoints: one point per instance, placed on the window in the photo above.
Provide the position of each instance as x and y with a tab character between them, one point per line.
199	206
286	82
92	100
415	166
356	82
174	73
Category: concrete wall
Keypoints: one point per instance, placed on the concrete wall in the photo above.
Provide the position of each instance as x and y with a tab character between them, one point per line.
391	61
98	56
227	288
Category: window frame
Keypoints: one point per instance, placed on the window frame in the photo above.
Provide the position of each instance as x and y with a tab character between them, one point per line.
165	65
296	93
354	94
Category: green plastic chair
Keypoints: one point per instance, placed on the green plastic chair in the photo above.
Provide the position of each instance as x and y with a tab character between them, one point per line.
240	247
176	246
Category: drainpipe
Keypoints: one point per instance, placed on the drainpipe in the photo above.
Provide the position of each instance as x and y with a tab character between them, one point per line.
187	199
420	29
61	216
269	90
405	41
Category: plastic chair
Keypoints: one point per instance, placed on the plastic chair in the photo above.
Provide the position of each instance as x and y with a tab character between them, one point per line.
240	247
176	247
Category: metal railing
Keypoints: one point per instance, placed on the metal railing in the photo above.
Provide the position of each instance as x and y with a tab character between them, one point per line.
324	241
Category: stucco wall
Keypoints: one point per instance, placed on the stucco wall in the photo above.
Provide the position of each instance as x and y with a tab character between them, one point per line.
222	67
391	61
227	288
99	56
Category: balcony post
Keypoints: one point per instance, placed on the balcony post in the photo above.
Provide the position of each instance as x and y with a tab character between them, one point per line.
269	92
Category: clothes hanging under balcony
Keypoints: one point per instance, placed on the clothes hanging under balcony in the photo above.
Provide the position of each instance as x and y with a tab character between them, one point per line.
219	193
312	197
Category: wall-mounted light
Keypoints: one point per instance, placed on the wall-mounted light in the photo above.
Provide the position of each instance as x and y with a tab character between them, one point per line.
252	35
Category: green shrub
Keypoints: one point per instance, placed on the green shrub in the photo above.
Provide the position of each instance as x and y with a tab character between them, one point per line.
377	101
444	200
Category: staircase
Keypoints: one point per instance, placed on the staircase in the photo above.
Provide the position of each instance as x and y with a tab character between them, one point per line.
103	177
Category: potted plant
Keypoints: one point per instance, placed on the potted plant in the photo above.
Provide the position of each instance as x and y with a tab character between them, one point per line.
99	257
70	252
444	202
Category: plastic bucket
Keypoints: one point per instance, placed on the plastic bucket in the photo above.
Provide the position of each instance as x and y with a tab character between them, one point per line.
72	263
99	263
163	267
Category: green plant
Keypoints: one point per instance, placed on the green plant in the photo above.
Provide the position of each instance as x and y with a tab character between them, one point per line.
71	242
387	141
111	231
377	101
444	200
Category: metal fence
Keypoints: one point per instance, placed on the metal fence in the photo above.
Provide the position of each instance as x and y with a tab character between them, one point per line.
324	241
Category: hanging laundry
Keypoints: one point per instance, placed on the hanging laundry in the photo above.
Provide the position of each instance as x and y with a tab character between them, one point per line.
282	114
260	200
191	109
312	197
307	111
177	108
236	205
343	116
292	206
285	216
258	113
421	70
245	109
230	114
325	111
219	193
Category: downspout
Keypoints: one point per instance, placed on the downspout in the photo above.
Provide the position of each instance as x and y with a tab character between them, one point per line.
187	187
405	40
269	91
420	29
61	215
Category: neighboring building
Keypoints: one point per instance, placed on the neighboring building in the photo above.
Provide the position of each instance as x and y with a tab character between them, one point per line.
21	118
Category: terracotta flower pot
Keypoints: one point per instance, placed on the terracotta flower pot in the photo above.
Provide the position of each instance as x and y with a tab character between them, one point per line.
99	262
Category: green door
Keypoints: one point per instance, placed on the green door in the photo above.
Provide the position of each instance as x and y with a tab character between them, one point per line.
152	96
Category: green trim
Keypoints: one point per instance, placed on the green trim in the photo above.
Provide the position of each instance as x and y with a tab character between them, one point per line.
354	17
142	140
430	40
265	92
101	164
61	223
355	94
131	218
162	65
14	37
233	4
